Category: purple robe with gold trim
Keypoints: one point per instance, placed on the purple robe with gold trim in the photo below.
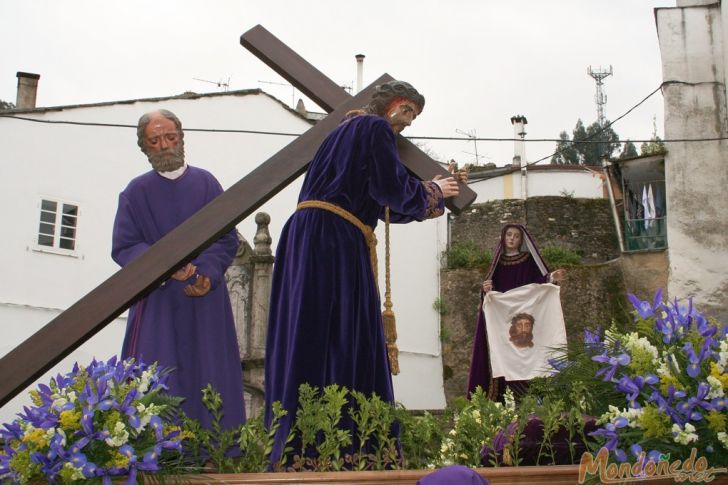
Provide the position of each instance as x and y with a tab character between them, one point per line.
325	323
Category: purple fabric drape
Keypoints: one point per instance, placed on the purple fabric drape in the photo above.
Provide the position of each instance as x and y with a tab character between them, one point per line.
453	475
194	335
507	272
325	322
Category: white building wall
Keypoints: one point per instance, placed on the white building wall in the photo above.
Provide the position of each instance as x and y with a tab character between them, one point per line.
696	174
583	184
89	166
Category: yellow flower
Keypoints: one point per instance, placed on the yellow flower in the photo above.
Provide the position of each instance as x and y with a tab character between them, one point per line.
36	436
70	420
118	460
655	423
666	380
717	372
716	421
35	397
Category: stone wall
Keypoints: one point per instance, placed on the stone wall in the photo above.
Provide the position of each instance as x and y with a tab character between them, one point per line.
584	226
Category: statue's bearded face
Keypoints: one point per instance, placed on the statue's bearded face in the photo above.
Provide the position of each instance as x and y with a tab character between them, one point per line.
164	146
401	113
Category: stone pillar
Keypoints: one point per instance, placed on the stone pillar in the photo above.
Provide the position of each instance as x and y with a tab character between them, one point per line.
254	357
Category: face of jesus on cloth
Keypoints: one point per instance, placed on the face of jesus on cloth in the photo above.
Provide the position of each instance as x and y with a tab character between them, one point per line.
521	331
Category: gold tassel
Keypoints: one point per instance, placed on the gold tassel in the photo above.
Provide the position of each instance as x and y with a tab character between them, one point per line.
388	320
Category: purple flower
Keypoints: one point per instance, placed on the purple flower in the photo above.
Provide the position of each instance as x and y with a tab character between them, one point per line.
614	362
644	309
687	407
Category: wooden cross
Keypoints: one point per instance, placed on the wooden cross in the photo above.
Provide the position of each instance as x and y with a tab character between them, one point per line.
40	352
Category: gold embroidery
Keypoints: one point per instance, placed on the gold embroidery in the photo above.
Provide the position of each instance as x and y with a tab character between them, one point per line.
434	195
514	259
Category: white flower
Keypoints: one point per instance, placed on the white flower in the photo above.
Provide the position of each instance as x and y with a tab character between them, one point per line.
716	388
723	438
77	472
632	416
144	380
634	342
58	403
684	436
723	360
119	436
509	400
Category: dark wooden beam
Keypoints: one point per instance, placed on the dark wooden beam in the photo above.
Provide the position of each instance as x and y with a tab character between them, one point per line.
41	351
327	94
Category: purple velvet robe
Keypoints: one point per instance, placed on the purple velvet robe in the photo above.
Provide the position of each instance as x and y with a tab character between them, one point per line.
510	272
453	475
194	335
325	322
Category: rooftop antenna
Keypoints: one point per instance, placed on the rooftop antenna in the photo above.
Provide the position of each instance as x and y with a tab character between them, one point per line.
601	99
224	85
293	90
472	136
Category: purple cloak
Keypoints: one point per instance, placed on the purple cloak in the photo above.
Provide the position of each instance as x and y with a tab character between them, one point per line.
194	335
325	322
507	272
453	475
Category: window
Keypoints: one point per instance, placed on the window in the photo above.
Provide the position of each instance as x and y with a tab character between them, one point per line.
644	200
57	226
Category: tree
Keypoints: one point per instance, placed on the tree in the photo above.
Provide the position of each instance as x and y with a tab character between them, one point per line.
594	152
4	105
565	152
655	146
629	150
581	149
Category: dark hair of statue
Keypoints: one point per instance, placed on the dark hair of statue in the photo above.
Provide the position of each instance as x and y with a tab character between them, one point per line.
385	93
144	121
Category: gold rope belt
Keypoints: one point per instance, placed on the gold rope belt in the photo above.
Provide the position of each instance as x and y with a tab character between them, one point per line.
388	320
369	236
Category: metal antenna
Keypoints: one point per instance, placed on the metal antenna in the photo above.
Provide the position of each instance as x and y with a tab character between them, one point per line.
472	136
220	84
600	98
293	90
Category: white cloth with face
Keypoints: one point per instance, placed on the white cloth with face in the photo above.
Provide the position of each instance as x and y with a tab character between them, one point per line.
510	357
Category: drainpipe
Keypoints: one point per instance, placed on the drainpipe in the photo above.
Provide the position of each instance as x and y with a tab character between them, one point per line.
608	180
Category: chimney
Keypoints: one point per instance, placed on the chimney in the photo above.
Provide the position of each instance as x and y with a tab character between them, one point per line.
359	71
27	90
519	133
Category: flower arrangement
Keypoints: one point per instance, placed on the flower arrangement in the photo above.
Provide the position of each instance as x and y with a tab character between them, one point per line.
105	420
672	375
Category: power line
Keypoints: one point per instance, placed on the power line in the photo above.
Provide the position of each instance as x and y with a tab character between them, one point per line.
281	133
587	140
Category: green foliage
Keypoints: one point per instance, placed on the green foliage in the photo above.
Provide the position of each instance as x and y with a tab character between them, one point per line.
628	150
576	383
557	257
653	147
440	306
466	255
581	149
420	438
4	105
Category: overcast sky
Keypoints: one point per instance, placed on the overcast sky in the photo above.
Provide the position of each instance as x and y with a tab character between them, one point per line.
478	62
